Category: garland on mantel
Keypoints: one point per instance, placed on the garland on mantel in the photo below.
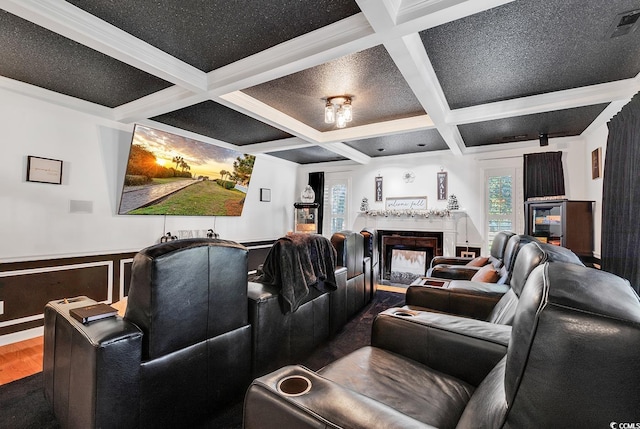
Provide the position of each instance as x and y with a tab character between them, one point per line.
409	213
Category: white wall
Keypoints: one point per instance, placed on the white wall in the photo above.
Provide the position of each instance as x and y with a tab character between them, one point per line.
465	178
596	139
35	221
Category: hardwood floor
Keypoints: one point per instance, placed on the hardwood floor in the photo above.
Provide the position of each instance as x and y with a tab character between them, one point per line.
19	360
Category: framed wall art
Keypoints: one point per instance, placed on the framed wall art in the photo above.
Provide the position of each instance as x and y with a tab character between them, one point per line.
265	194
442	185
596	163
44	170
406	203
378	188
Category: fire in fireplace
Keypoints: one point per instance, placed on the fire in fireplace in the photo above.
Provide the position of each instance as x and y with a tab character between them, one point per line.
425	244
407	265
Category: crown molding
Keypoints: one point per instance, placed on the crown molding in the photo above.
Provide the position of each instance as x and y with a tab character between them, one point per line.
559	100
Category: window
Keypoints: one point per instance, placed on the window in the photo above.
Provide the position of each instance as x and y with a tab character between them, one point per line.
336	205
504	202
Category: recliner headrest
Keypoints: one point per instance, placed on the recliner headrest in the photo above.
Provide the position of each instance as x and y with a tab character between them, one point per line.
370	243
499	243
185	291
533	254
349	247
511	250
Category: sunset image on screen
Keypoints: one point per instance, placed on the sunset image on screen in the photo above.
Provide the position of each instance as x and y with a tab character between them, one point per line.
168	174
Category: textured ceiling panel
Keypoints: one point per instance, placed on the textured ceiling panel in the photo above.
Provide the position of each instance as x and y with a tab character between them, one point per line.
26	50
212	34
397	144
308	155
519	49
531	47
379	91
561	123
219	122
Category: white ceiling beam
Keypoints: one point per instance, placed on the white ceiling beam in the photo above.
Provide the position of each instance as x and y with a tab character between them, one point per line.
74	23
325	44
559	100
278	145
256	109
417	15
401	18
336	40
405	125
166	100
411	58
265	113
347	152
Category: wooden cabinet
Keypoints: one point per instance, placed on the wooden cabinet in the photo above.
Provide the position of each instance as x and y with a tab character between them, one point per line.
562	222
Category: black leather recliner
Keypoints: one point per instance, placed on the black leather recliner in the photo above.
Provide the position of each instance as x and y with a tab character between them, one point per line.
495	303
349	246
181	352
371	251
297	303
447	267
571	361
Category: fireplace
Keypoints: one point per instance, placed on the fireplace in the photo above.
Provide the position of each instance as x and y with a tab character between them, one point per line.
410	252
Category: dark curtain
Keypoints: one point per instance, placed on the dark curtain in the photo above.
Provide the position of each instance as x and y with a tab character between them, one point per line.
620	250
316	181
543	175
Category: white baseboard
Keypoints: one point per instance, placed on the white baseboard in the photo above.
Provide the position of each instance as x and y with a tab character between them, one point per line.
21	336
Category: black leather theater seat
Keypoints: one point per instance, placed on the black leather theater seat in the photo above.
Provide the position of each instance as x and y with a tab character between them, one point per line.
181	352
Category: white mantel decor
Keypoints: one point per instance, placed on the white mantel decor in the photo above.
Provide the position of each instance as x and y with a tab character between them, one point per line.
431	220
409	213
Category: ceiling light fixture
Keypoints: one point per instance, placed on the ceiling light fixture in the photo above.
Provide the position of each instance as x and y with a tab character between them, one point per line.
338	110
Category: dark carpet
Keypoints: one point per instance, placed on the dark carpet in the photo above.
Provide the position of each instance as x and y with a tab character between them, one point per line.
23	406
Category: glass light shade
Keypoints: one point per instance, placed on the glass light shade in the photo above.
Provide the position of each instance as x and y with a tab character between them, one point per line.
348	111
341	120
329	113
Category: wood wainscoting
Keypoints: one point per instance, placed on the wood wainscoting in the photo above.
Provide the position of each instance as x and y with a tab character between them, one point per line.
27	286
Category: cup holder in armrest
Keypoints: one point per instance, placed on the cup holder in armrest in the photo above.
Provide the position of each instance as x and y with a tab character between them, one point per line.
294	385
403	313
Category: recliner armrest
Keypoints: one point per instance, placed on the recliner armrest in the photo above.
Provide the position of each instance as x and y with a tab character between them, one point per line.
449	260
326	404
460	297
454	272
97	367
464	348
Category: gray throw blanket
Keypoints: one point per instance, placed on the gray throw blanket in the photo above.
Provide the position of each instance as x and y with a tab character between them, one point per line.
297	262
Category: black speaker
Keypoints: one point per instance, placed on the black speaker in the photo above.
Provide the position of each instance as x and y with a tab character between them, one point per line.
544	140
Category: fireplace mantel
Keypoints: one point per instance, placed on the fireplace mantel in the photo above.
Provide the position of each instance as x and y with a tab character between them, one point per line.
445	224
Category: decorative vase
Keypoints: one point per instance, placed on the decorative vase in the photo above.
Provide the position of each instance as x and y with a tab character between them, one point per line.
307	195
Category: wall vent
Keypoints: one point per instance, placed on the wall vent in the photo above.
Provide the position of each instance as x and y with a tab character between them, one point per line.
624	23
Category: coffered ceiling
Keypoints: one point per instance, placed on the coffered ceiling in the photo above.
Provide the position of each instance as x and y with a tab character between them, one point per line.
425	75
